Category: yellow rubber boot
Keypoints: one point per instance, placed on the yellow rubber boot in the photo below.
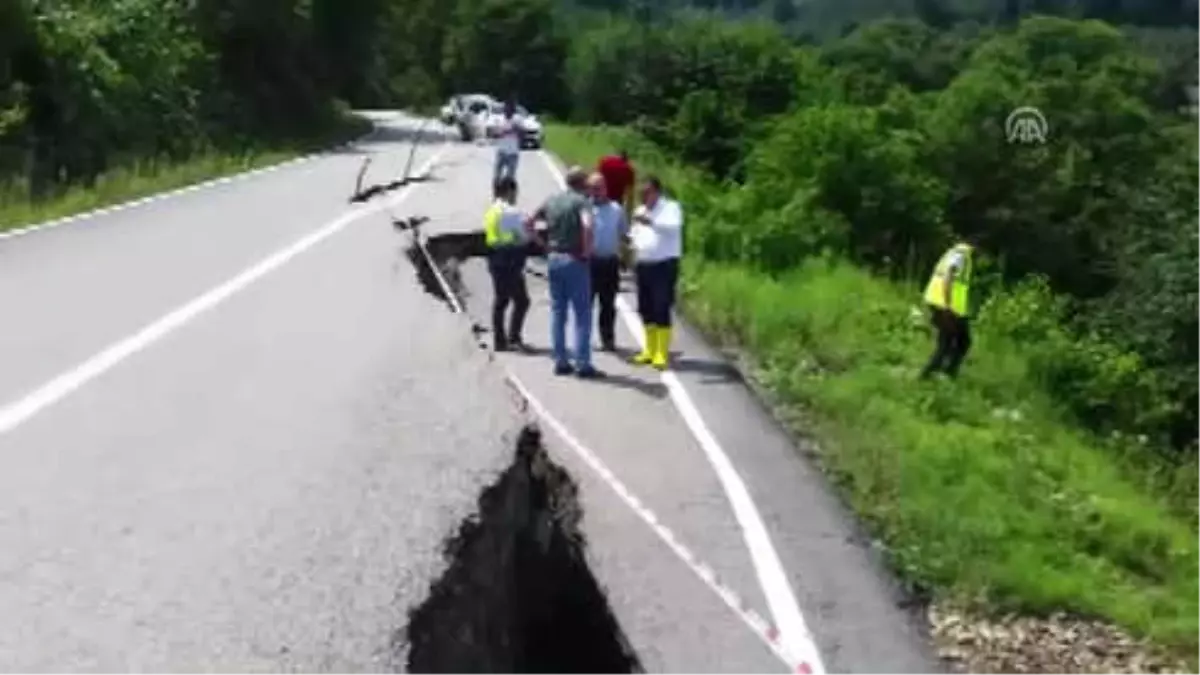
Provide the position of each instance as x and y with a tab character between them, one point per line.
647	353
662	352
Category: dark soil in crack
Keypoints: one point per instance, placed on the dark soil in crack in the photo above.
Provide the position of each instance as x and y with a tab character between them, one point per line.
447	251
518	595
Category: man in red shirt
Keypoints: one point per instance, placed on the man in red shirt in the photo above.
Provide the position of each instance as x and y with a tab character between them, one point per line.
618	178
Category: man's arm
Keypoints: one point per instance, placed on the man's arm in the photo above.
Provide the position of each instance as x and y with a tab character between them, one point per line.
951	278
530	223
669	218
589	241
531	220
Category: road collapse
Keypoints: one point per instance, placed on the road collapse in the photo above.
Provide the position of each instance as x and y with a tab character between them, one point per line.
517	595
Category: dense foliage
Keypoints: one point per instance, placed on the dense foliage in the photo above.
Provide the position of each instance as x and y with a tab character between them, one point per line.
815	217
894	139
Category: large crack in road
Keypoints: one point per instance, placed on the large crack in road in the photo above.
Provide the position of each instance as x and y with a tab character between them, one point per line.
518	594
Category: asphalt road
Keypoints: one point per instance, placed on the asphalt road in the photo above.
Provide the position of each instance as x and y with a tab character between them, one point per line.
235	433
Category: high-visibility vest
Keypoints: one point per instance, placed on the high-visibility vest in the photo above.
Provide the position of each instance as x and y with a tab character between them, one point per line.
960	294
494	235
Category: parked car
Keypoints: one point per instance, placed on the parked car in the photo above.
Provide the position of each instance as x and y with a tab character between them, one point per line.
470	113
531	127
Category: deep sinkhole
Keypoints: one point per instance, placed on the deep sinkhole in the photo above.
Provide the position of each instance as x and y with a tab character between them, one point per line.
517	595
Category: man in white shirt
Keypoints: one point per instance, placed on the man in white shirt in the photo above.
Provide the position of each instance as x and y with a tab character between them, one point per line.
658	241
508	144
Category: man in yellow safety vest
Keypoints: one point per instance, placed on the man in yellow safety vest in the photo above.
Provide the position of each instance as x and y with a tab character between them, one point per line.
948	295
504	233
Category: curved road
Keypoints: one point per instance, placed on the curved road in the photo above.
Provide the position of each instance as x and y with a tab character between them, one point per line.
235	433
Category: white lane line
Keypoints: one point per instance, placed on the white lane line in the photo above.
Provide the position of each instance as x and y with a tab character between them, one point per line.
757	625
18	412
761	628
160	196
781	599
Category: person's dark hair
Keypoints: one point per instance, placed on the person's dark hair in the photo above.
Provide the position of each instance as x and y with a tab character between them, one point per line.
623	154
576	178
507	185
654	182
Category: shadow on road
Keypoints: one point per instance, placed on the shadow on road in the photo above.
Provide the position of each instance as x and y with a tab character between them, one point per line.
712	371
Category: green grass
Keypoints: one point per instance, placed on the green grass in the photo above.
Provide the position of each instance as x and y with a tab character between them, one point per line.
983	491
144	177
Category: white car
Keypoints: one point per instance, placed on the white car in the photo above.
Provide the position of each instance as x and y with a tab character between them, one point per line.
470	113
531	127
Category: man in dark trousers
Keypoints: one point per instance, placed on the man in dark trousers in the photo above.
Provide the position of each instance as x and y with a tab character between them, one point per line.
657	235
619	179
504	233
609	229
948	295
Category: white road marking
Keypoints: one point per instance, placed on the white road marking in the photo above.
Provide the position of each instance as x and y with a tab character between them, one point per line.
160	196
804	664
749	617
781	599
18	412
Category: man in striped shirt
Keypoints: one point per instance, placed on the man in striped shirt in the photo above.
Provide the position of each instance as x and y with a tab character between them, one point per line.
609	229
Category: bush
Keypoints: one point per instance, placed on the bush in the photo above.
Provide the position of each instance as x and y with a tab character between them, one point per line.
986	490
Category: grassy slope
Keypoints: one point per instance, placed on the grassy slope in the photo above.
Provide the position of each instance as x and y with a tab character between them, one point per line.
981	491
148	177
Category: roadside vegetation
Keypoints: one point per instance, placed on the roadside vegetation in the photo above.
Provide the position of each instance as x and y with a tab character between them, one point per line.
134	179
827	152
1058	474
106	102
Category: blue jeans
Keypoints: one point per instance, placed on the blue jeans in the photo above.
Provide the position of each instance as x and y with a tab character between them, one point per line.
506	164
570	285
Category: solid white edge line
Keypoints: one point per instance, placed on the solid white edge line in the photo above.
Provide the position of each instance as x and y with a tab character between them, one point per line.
772	639
781	599
159	196
18	412
705	573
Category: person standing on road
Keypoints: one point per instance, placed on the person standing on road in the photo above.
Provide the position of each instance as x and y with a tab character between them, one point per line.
568	246
610	230
508	144
504	233
619	179
948	295
658	241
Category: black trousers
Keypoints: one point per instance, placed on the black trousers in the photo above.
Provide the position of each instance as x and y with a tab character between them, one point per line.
606	280
508	286
953	342
656	290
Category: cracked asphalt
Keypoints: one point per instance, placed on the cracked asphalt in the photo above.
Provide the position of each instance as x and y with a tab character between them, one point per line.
265	485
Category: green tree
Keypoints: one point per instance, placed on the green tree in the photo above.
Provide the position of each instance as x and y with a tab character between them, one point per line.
509	48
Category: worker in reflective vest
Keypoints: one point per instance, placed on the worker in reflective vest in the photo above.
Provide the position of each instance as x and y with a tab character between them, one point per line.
948	295
504	233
